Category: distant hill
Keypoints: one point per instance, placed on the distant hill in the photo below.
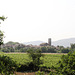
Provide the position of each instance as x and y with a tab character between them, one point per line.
63	42
34	42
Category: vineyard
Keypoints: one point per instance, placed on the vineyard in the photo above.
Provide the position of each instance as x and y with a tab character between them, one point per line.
22	58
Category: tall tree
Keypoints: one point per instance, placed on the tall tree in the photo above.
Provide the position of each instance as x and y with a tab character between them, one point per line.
35	55
1	33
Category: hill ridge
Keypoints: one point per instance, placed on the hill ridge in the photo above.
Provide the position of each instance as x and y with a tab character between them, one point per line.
62	42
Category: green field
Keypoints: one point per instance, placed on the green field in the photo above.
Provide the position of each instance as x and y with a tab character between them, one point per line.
51	59
22	58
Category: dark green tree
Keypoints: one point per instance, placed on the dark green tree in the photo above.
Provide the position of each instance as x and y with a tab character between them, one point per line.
1	37
65	50
43	49
67	64
72	46
35	55
7	65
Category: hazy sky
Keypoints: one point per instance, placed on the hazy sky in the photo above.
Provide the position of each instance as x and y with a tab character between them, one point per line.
31	20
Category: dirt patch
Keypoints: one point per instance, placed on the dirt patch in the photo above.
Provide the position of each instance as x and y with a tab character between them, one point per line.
20	73
26	53
55	53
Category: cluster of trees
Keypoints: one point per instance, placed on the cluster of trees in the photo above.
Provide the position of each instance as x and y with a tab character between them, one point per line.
58	49
13	47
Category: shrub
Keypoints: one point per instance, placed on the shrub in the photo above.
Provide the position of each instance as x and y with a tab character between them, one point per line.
35	55
67	64
7	65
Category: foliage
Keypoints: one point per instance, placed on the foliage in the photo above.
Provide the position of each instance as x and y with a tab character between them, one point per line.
53	73
48	49
22	58
65	50
13	47
51	50
7	65
44	49
35	56
67	64
1	37
24	62
73	47
1	33
2	18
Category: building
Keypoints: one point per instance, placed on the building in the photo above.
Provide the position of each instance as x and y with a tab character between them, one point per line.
46	44
49	41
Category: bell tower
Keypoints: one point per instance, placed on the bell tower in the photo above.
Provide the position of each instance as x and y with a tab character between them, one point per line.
49	41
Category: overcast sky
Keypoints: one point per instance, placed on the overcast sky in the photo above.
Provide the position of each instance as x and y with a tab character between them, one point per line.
32	20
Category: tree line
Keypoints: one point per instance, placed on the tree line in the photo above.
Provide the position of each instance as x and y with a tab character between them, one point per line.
19	47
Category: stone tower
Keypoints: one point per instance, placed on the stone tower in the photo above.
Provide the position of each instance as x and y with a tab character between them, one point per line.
49	41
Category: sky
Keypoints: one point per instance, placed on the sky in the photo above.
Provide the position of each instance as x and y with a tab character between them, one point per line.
32	20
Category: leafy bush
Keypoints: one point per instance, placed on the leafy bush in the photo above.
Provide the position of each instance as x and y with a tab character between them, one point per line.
35	55
26	67
67	64
7	65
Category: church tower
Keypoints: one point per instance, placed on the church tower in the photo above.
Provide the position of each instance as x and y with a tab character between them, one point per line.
49	41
